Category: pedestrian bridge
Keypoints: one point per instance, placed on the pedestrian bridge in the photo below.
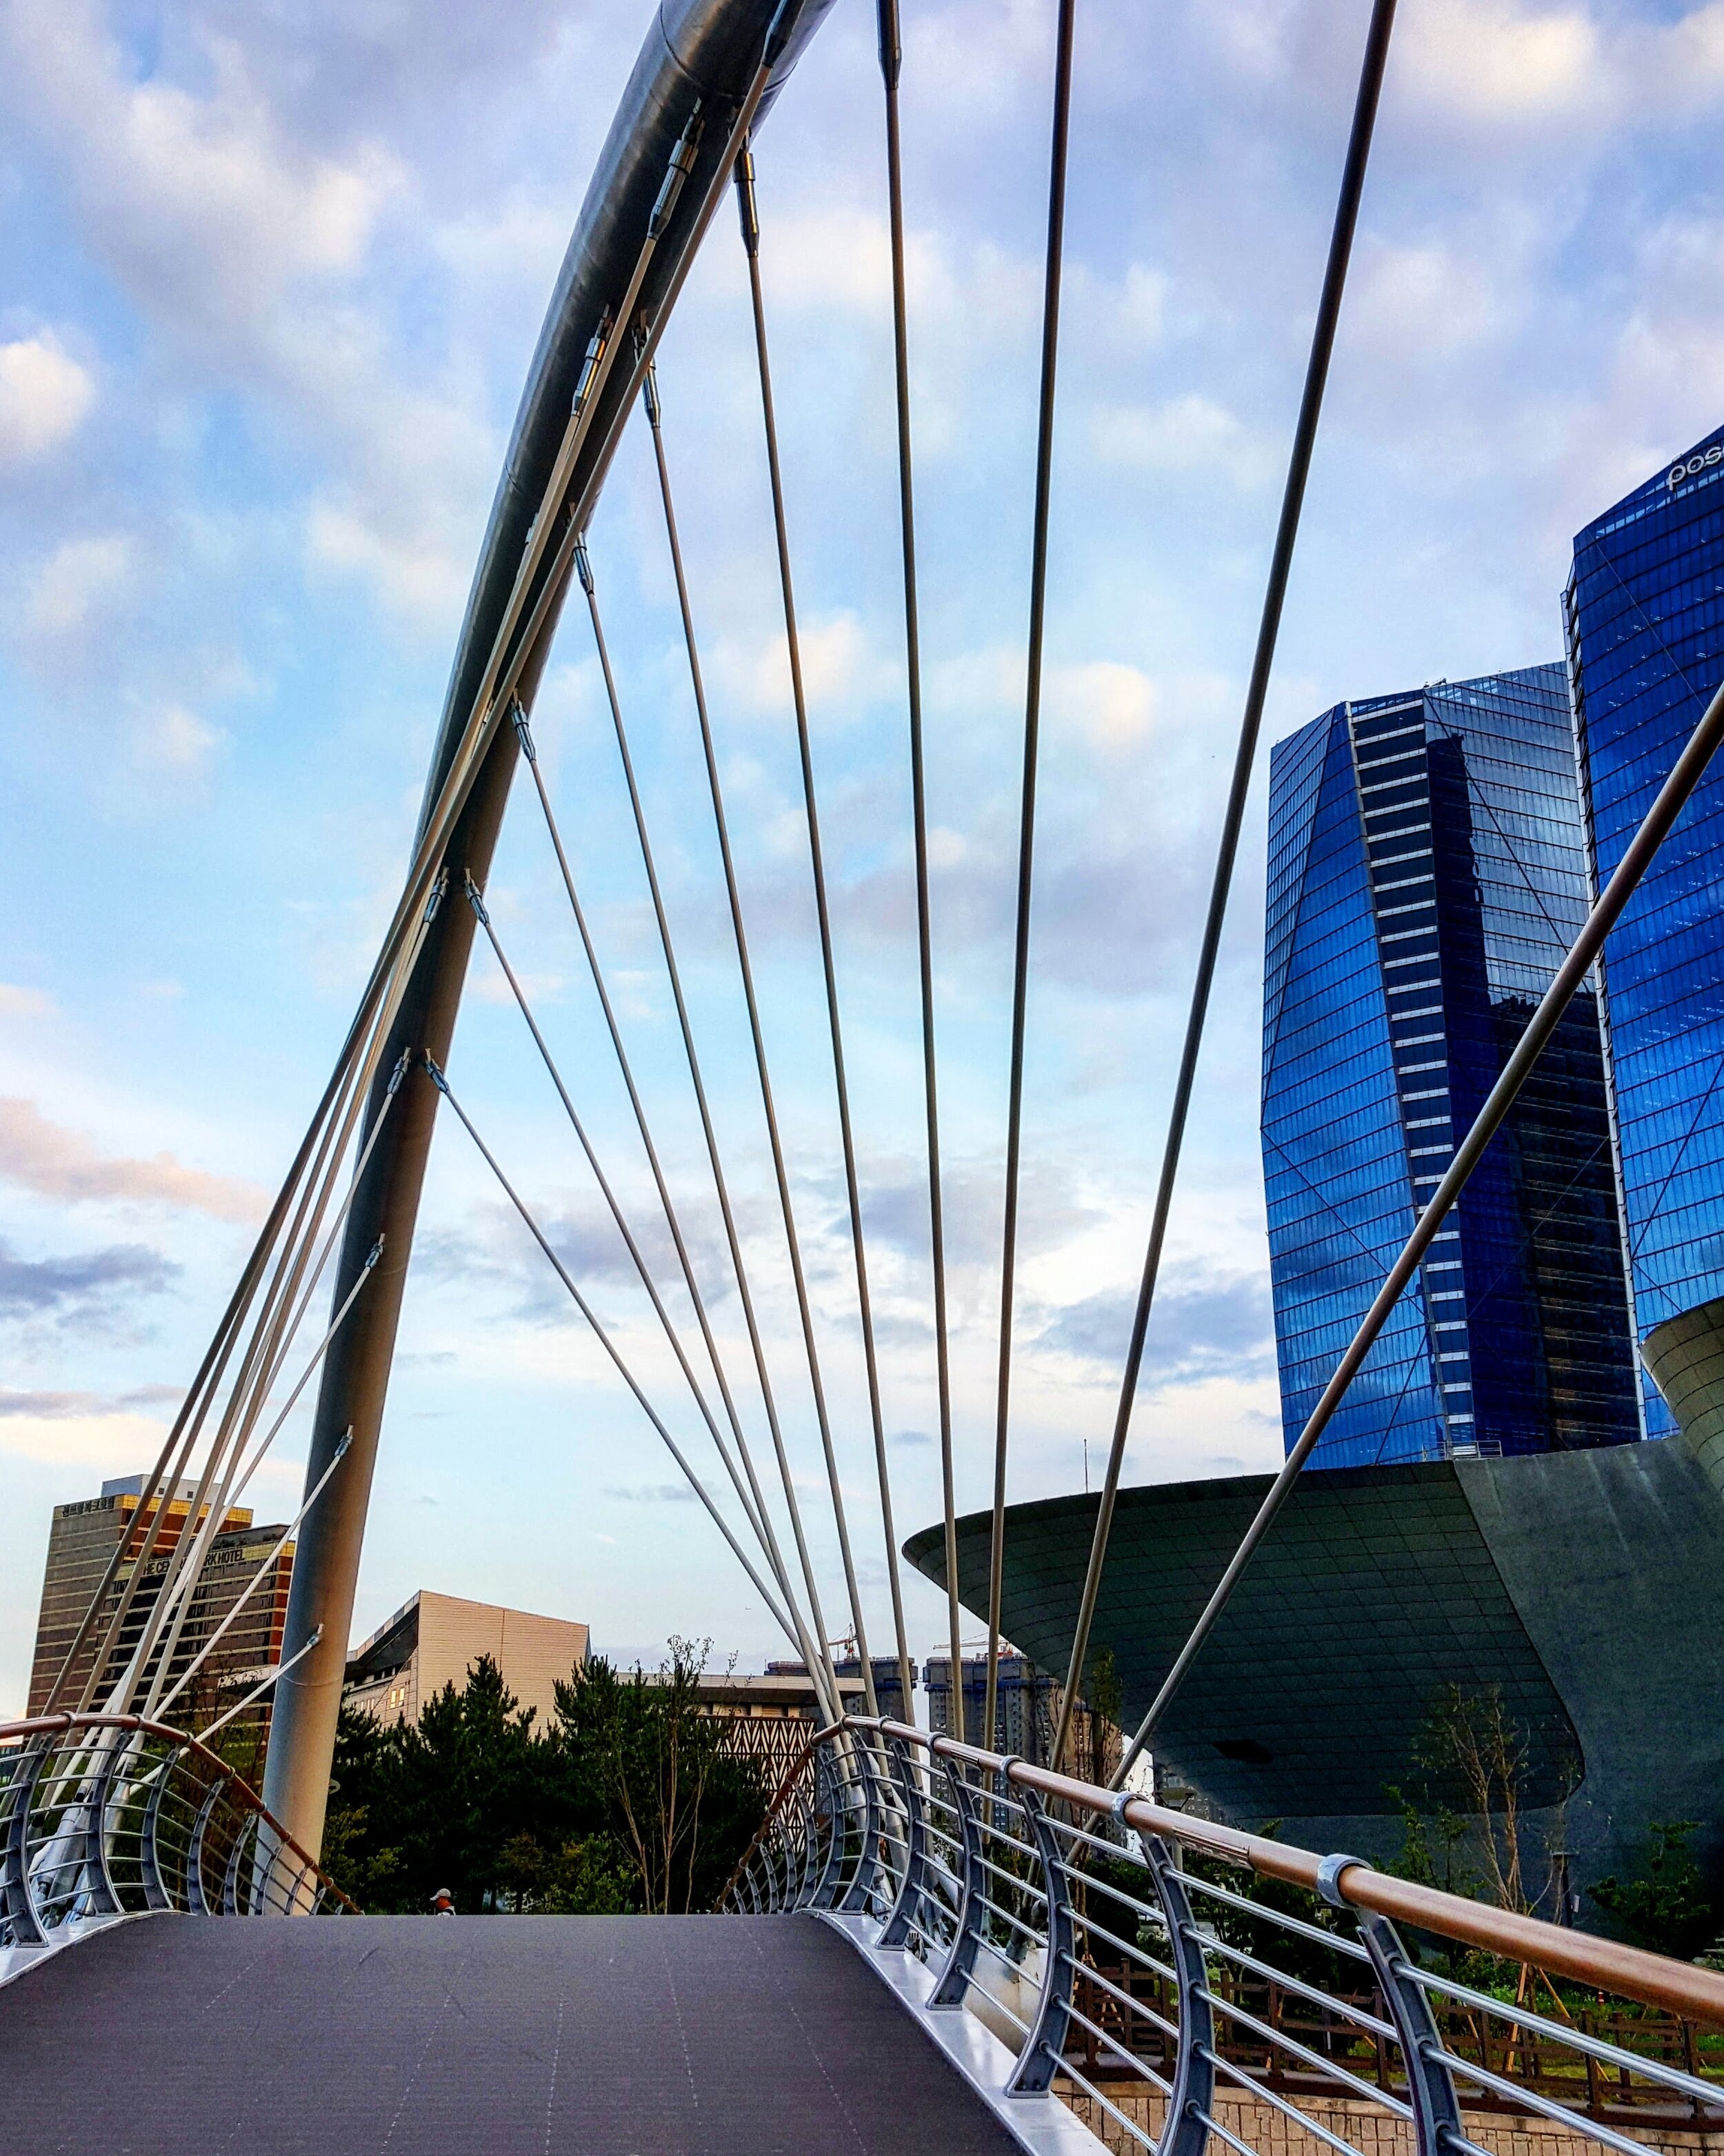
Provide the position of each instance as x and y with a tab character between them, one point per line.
421	2036
929	1946
926	1946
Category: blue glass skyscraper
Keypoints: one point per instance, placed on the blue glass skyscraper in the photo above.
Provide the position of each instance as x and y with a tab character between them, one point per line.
1645	620
1427	873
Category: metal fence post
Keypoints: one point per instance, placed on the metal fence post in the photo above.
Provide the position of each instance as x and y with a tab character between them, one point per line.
908	1907
16	1907
1186	2132
967	1939
1430	2087
826	1779
859	1893
156	1893
230	1877
1045	2047
98	1882
196	1901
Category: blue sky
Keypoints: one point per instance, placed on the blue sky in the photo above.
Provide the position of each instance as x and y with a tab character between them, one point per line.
271	279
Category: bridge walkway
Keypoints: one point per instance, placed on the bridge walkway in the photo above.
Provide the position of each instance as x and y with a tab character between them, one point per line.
474	2036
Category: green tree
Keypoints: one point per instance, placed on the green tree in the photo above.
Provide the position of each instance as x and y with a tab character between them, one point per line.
627	1802
642	1751
1665	1905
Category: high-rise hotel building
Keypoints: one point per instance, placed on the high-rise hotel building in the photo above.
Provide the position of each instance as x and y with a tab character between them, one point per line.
82	1542
1428	870
1645	621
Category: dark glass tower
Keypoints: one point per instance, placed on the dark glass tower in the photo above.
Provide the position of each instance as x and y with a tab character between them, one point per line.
1645	617
1427	873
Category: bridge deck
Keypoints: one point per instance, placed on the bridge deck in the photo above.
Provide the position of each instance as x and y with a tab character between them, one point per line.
421	2036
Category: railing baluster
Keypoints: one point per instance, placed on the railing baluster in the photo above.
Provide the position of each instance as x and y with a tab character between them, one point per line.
1004	1870
97	1884
912	1895
858	1894
17	1903
954	1981
1045	2047
155	1885
826	1782
1186	2131
1430	2088
196	1901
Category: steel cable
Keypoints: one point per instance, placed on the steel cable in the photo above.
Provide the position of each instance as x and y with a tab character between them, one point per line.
273	1331
714	788
609	1345
751	238
891	61
756	1520
644	838
437	822
1026	837
1322	345
336	1111
744	1290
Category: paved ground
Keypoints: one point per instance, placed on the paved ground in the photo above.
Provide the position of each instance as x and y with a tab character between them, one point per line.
473	2036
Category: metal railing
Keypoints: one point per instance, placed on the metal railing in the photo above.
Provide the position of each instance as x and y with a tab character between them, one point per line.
1173	1979
108	1816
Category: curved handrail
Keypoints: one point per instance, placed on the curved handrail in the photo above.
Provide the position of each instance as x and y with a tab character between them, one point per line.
104	1815
1653	1979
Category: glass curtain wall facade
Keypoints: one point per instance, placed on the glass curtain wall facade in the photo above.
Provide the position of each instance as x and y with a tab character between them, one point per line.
1427	873
1646	621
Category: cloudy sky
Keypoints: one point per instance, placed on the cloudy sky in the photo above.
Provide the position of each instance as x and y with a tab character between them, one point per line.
271	278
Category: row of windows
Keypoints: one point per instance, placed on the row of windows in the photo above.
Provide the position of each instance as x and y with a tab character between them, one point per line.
1413	923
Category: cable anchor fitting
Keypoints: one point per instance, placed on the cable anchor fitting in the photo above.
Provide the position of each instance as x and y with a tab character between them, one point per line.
374	1253
778	32
682	163
891	49
523	733
401	1064
435	1073
476	902
583	566
437	889
649	394
590	366
747	209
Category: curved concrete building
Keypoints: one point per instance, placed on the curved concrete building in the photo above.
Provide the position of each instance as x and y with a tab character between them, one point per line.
1587	1586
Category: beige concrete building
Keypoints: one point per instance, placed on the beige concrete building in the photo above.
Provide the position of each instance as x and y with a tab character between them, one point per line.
435	1639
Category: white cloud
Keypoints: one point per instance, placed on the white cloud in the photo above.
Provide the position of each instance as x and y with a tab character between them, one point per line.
247	247
45	1157
415	570
1500	65
1113	704
1429	301
44	394
1492	59
202	196
839	667
77	578
1185	434
112	1442
23	1002
176	741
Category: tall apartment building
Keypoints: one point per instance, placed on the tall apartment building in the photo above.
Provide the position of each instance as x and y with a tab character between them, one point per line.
82	1542
1428	870
1026	1712
1645	623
